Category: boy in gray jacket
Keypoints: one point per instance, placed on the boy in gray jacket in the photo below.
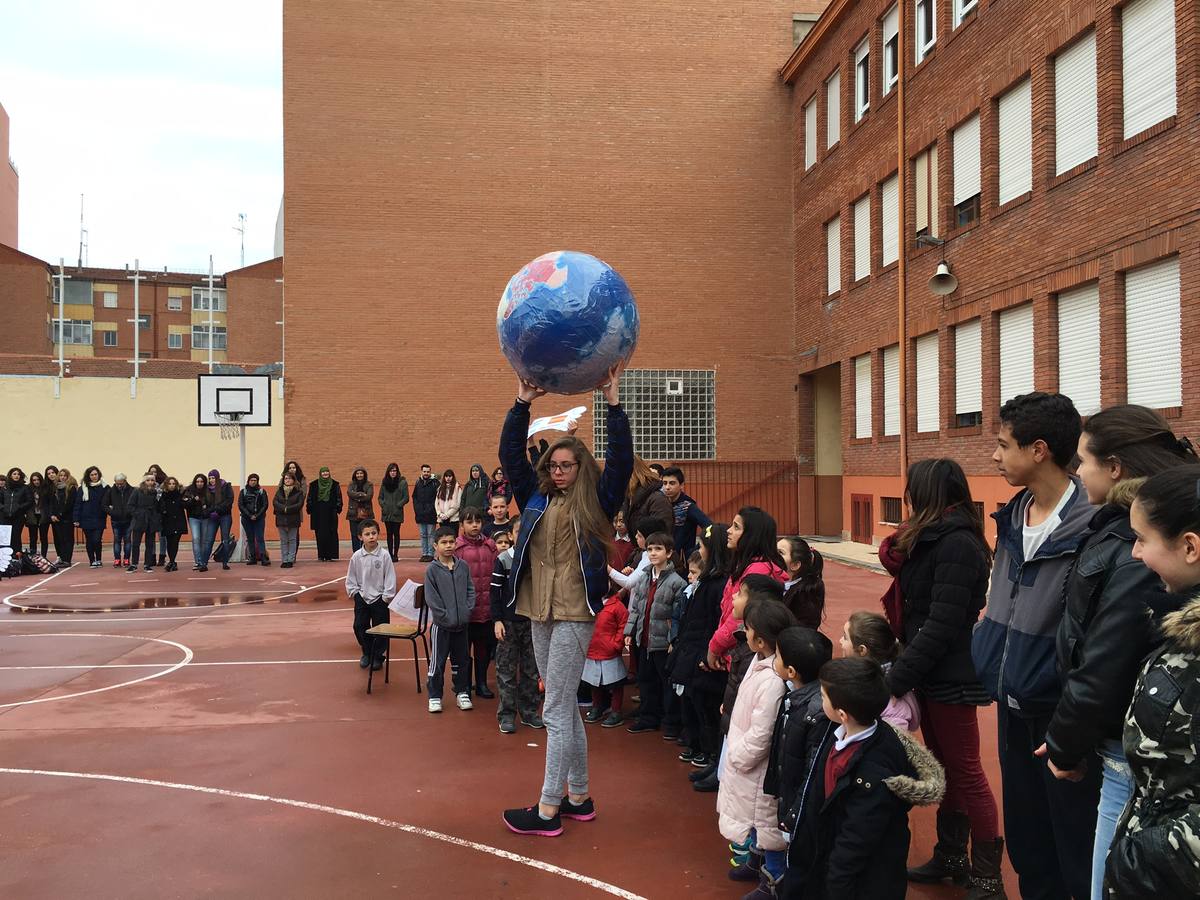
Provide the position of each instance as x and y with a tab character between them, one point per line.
652	600
450	596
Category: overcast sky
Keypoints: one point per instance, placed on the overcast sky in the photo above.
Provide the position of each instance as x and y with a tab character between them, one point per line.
166	116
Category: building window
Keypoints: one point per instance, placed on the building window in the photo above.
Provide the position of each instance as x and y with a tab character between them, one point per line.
928	391
891	50
1075	139
833	109
673	413
110	299
200	337
961	8
891	389
1147	63
810	134
174	341
74	331
200	299
78	292
965	140
862	238
1015	115
926	176
174	304
862	396
110	338
1079	347
968	383
862	79
833	255
889	216
1152	335
144	322
926	27
1016	352
891	510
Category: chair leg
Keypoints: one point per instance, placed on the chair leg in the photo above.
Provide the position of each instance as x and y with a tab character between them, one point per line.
387	663
416	666
370	671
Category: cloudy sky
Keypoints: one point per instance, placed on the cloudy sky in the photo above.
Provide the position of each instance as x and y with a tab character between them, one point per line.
166	116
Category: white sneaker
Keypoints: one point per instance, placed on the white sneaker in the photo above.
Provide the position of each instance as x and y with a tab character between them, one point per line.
464	701
435	704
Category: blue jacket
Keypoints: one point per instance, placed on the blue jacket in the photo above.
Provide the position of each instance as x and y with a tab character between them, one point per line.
688	517
90	513
618	469
1014	645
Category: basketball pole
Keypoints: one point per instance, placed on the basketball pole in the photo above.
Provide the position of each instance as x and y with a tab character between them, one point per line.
239	553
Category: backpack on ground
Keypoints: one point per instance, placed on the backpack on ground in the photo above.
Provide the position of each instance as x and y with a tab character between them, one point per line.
224	552
40	563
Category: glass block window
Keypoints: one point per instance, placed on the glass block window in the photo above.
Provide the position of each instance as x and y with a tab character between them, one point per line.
673	413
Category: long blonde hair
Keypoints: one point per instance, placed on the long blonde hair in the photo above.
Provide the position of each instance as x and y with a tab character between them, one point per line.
642	476
582	501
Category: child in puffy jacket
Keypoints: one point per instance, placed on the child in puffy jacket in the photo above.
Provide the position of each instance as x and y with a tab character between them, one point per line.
604	669
869	634
479	553
651	605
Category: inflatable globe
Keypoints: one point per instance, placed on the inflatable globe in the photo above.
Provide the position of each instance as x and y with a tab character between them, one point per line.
565	320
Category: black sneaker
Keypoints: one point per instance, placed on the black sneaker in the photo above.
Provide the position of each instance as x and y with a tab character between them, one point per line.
581	812
701	774
594	715
377	664
613	720
364	661
687	755
484	692
708	784
530	821
670	735
508	725
131	568
533	721
700	760
641	728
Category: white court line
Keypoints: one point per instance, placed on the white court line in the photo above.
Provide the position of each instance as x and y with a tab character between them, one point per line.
193	664
187	658
347	814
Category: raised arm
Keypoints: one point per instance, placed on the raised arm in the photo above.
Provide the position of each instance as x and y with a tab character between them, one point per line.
512	445
618	455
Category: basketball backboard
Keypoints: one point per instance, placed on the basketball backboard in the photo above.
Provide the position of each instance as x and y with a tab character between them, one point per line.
244	399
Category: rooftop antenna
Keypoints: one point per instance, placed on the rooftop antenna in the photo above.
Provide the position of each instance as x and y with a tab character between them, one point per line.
83	235
240	228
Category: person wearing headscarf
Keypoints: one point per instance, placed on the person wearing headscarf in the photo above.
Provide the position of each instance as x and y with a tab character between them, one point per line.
220	516
324	507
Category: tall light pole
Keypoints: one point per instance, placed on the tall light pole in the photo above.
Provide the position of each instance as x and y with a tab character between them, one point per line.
240	228
62	319
136	278
210	314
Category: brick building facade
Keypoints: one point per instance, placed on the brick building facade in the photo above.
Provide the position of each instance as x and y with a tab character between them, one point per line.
435	149
1063	139
10	184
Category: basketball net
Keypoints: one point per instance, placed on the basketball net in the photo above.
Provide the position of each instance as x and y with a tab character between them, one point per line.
231	428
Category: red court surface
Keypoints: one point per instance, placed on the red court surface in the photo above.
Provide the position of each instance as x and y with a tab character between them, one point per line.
178	735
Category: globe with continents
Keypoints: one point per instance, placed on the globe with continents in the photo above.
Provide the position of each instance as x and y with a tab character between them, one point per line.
565	320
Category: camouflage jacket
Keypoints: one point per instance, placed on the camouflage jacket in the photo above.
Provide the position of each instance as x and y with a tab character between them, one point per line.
1156	851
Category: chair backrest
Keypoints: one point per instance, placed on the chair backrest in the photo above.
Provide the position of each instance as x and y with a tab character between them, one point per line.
419	597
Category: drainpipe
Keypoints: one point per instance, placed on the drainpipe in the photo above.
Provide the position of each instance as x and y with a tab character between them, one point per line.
902	179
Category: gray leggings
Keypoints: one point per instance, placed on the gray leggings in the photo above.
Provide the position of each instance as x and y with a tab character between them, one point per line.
561	649
289	541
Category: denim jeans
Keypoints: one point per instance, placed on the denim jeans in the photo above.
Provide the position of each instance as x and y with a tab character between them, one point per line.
253	531
426	538
120	532
208	536
196	529
1115	791
289	542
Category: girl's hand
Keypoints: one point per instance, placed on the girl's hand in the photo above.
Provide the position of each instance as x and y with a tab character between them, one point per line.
54	518
527	392
713	663
628	642
612	388
499	631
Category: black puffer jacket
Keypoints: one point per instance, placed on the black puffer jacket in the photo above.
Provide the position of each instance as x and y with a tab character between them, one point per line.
116	502
799	727
944	583
1113	603
145	512
424	493
649	502
174	517
15	500
696	628
253	503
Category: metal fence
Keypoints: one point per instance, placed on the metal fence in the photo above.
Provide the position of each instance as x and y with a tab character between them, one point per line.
722	488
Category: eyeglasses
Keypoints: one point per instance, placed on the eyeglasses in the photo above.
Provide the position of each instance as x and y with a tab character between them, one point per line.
561	467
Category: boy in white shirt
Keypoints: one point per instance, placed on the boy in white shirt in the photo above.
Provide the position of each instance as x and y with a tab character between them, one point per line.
371	582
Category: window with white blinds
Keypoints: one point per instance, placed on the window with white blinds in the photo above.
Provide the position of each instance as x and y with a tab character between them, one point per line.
1016	143
889	201
966	160
833	254
810	134
1016	352
1079	347
862	238
862	396
862	78
891	389
968	370
926	174
1075	104
890	39
925	28
927	383
1147	63
833	109
1152	335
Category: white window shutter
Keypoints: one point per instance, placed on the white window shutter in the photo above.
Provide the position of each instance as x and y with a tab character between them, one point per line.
833	254
862	396
1079	347
1075	121
810	134
890	216
1016	352
833	109
966	160
968	368
1016	142
890	27
1152	335
862	238
1147	63
891	390
921	177
928	398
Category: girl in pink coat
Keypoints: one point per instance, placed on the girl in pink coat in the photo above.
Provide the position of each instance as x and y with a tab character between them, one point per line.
753	548
869	634
744	809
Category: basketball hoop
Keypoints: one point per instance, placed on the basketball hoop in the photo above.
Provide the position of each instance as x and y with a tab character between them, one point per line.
231	427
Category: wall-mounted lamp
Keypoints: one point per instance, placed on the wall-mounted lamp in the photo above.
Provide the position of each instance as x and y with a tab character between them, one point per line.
943	281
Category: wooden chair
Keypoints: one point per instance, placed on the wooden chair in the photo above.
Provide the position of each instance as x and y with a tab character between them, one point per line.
402	631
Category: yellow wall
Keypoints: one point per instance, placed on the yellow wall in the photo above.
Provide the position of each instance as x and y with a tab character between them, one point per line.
95	422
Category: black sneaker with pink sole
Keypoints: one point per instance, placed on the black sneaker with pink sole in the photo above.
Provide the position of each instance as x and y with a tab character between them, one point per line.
530	821
581	812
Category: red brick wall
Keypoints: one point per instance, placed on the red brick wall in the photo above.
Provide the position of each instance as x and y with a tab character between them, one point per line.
9	188
255	304
433	149
25	293
1133	205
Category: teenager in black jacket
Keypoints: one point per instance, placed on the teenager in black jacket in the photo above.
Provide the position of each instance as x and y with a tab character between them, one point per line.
253	504
174	519
943	580
15	501
424	495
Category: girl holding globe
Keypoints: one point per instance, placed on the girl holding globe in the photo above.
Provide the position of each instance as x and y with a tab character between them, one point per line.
559	581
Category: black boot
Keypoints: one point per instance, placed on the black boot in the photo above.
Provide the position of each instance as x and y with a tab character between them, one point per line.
750	869
481	687
949	853
985	882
